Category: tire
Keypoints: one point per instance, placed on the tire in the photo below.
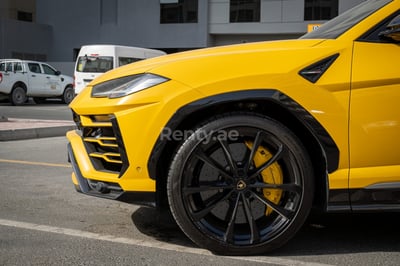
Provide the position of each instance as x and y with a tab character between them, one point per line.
18	95
242	184
68	95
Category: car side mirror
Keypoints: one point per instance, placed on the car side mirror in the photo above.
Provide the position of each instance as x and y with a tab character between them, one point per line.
392	33
58	73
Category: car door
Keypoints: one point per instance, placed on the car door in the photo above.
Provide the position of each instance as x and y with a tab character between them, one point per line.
374	126
53	85
37	81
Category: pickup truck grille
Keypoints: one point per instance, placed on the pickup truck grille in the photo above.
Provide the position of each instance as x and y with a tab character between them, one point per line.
105	148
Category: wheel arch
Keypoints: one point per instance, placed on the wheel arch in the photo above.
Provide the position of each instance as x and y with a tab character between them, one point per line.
67	86
269	102
20	83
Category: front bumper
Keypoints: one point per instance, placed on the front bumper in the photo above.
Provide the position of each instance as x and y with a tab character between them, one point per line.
100	161
106	190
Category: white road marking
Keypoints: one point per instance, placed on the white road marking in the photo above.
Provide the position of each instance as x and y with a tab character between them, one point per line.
149	244
35	163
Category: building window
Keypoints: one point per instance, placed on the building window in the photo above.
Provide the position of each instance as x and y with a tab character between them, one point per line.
29	56
24	16
320	9
178	11
244	11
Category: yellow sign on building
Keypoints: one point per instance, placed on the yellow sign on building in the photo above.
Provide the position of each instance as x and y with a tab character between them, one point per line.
312	27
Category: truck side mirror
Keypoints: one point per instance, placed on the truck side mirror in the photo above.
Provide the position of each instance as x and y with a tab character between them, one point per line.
392	33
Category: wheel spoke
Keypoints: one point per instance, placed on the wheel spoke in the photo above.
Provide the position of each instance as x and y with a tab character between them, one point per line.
228	155
231	215
210	204
206	186
287	214
211	162
256	144
255	236
268	163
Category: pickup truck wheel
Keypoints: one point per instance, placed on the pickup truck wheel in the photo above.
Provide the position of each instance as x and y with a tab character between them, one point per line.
242	184
68	95
18	95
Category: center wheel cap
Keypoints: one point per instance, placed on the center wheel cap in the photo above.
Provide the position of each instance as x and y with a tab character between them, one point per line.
241	185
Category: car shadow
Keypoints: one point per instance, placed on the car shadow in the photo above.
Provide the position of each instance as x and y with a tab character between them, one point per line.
325	234
322	234
160	226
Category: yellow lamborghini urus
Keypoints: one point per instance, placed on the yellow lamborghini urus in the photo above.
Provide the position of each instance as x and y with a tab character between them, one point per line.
241	141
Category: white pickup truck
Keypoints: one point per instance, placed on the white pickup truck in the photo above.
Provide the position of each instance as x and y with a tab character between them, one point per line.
20	79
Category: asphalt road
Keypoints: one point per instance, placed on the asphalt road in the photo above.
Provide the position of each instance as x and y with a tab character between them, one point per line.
52	110
44	221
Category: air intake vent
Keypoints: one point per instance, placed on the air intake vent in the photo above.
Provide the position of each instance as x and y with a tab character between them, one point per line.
315	71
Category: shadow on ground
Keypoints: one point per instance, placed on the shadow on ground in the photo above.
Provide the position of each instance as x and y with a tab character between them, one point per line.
160	226
322	234
325	234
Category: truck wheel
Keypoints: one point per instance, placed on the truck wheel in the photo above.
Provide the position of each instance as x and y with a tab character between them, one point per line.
68	95
241	184
18	95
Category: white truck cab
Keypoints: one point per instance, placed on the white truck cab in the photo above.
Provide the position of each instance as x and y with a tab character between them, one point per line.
94	60
20	79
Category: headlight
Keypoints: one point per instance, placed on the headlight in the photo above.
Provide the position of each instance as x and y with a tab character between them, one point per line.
121	87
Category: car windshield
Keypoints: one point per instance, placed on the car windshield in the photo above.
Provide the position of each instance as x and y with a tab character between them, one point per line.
337	26
94	64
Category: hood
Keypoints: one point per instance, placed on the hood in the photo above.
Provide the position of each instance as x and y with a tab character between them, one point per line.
224	61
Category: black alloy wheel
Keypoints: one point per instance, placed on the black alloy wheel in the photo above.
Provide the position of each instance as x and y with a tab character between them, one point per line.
241	184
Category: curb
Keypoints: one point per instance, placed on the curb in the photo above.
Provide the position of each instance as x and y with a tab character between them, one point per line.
33	133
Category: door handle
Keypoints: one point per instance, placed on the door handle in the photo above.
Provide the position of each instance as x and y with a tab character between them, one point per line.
33	75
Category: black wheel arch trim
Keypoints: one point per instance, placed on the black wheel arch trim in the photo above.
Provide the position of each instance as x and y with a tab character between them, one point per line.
327	144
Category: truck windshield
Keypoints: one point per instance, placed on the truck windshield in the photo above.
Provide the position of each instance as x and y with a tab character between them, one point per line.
94	64
337	26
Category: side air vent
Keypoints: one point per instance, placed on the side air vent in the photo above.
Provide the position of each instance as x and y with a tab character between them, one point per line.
315	71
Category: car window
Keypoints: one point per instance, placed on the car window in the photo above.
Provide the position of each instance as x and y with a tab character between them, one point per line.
339	25
49	70
127	60
34	67
372	35
2	66
94	64
18	67
9	67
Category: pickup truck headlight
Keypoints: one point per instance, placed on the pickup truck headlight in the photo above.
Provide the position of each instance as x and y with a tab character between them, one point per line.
124	86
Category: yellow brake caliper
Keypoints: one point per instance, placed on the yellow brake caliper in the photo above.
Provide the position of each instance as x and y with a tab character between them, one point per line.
271	175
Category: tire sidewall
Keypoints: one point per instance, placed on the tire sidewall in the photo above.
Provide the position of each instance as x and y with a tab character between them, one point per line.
15	95
68	95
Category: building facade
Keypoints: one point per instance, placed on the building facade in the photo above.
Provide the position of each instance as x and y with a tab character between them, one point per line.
54	31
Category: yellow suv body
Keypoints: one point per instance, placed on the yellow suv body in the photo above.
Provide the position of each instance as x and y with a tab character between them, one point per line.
241	141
